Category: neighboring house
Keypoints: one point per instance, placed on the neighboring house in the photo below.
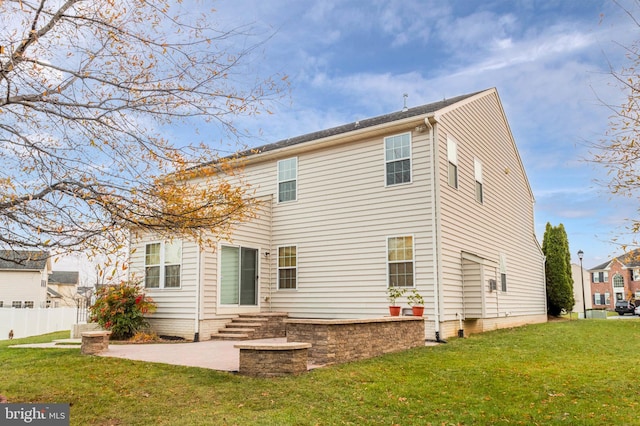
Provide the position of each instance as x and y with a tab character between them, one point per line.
23	278
433	197
63	289
581	290
616	279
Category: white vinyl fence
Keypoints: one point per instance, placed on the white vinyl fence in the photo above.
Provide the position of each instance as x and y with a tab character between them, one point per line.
32	322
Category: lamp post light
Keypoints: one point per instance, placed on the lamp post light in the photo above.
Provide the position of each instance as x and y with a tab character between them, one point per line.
584	303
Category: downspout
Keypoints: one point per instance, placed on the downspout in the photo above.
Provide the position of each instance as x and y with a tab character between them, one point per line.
434	222
196	336
270	259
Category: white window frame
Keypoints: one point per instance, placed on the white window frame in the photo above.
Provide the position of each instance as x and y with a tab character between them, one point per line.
452	162
503	272
16	304
477	171
596	299
391	158
284	177
618	281
162	265
636	274
287	267
403	260
596	277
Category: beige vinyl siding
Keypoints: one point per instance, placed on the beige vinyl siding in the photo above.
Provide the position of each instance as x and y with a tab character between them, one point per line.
340	222
503	223
172	302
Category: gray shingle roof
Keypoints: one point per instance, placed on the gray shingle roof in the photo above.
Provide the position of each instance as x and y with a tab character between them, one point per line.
64	277
26	260
360	124
630	260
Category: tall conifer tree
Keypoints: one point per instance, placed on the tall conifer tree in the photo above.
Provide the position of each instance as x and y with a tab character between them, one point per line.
555	246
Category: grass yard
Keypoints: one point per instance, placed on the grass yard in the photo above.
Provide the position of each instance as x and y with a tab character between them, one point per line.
569	372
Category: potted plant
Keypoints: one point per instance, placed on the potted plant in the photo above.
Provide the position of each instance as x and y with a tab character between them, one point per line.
416	301
393	294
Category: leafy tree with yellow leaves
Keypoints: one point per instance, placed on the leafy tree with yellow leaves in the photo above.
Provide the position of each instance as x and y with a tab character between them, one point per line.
619	152
86	90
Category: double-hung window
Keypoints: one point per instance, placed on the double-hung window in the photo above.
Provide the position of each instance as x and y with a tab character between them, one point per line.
597	300
452	158
287	267
163	261
600	277
397	155
477	170
400	261
287	179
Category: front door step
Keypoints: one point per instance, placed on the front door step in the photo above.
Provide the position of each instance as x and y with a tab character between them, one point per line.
253	326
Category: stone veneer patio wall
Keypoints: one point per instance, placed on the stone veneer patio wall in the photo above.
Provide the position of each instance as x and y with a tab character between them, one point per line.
336	341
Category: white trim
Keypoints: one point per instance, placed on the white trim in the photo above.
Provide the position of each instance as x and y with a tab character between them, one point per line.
413	258
257	282
477	169
278	181
278	267
387	161
162	265
452	158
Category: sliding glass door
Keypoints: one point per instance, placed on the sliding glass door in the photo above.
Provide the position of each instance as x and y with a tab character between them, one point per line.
239	281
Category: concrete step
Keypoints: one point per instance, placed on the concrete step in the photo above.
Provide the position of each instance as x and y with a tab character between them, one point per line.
238	324
229	336
252	320
236	330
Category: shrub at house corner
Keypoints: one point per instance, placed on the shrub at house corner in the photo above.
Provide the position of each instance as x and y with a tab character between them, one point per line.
121	309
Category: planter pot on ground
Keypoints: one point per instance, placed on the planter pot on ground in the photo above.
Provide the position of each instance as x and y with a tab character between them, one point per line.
394	311
417	311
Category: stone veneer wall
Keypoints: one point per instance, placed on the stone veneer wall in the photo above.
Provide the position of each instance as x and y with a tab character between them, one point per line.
274	327
273	359
344	340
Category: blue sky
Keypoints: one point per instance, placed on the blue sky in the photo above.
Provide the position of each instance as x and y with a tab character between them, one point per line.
549	60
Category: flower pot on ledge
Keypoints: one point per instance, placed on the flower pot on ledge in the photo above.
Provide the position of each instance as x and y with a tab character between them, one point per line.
394	311
417	311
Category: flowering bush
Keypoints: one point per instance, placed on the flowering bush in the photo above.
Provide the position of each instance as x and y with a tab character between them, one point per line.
121	309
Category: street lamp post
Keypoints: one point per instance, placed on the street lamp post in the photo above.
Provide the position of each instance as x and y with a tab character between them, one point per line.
584	303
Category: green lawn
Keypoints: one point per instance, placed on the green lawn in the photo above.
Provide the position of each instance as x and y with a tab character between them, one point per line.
570	372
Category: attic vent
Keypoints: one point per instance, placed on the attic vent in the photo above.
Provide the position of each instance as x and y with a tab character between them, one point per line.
492	285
